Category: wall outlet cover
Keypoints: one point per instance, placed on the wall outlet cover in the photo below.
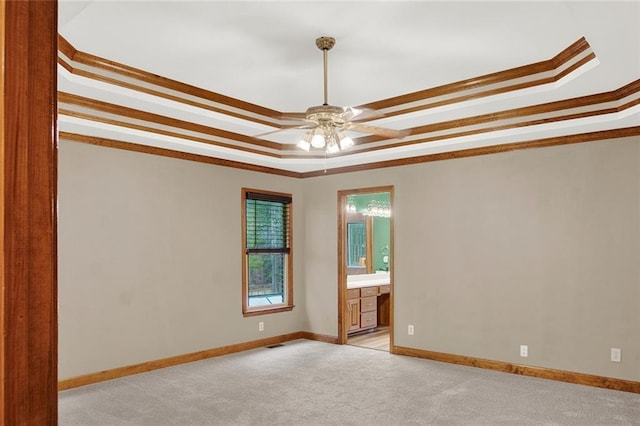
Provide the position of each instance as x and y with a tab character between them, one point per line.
524	351
616	355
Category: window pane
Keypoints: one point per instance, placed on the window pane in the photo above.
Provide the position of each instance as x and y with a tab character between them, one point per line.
266	275
356	243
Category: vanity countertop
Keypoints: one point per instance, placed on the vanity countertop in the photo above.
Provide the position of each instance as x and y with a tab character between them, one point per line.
367	280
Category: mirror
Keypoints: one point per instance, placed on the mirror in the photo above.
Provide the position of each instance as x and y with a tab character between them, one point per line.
356	244
368	233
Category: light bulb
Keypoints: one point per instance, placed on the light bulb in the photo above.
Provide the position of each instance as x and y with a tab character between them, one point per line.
317	141
304	144
333	147
345	141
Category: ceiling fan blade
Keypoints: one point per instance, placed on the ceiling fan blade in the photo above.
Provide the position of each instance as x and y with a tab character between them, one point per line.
284	129
360	114
293	116
380	131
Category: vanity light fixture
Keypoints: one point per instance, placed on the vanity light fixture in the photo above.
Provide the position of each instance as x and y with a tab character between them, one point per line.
375	208
378	209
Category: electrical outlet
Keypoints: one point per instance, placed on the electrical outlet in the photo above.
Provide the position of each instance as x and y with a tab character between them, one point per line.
410	330
261	326
616	355
524	351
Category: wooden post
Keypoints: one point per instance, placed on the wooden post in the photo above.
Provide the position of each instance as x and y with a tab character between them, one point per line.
28	180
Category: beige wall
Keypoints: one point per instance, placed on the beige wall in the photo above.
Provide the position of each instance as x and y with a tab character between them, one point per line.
150	258
536	247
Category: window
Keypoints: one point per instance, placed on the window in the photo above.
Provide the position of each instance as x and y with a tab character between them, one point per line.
356	243
267	260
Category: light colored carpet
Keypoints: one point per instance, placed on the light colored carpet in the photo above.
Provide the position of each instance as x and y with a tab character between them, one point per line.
313	383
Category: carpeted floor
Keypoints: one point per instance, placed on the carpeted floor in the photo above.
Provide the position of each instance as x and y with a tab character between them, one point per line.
313	383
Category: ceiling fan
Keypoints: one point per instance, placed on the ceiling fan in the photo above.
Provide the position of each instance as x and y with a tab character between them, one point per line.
328	124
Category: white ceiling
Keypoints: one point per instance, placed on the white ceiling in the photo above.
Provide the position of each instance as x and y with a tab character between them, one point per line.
264	52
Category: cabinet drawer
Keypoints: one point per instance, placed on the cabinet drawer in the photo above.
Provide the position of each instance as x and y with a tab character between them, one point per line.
384	289
368	319
368	291
353	293
368	304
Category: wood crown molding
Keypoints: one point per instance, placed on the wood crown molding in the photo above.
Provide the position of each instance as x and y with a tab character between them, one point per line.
524	370
449	155
494	149
163	152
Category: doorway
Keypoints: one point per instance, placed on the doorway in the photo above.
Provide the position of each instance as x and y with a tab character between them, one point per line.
365	267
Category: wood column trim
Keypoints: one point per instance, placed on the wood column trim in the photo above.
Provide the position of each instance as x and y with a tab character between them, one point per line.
28	271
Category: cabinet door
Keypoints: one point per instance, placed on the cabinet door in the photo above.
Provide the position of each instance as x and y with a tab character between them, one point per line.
353	313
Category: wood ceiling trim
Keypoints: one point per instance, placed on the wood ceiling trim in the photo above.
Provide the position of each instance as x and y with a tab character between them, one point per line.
136	114
164	152
527	76
549	71
66	48
488	92
115	115
569	109
160	132
175	98
111	72
138	74
495	149
602	135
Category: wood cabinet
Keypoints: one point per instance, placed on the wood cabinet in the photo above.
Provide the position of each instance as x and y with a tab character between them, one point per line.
384	305
362	308
353	314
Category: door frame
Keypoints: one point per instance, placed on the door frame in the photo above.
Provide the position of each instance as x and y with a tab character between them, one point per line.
342	258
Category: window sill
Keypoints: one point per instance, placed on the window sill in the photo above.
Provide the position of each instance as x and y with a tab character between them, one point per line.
263	311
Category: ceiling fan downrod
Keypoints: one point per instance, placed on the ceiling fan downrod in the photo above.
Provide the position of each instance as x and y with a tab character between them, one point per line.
325	44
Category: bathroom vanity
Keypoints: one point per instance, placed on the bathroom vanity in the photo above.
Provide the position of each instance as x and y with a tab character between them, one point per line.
368	304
